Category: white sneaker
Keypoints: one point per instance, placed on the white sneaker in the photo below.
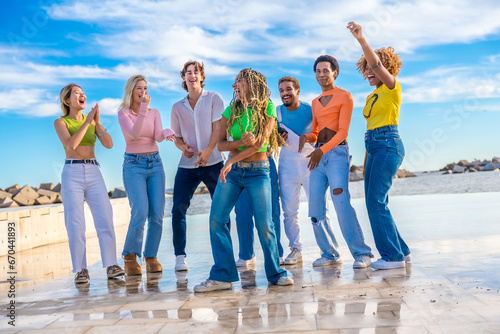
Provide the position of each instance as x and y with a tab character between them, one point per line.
180	263
362	262
382	264
284	280
408	258
244	263
294	257
323	261
211	285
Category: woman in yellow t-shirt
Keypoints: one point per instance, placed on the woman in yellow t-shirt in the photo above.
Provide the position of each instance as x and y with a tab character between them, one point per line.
250	121
384	148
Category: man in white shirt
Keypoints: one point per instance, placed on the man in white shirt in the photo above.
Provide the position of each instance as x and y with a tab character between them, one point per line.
294	119
195	121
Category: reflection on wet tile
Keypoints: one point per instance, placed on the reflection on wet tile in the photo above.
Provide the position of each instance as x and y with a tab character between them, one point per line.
452	286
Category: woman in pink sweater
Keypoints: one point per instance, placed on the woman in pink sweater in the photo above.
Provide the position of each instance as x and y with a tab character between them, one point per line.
143	174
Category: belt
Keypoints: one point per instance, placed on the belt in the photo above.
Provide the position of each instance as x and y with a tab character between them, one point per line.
252	164
85	161
318	145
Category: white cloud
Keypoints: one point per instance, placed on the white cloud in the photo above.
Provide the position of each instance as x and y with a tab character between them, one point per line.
109	106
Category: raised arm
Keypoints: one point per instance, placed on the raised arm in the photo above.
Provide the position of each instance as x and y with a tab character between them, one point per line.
72	141
372	59
101	132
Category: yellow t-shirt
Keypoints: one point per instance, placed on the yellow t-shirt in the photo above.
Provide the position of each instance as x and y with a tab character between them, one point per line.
382	107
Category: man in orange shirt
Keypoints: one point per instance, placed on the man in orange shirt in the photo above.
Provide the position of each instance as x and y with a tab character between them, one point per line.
329	165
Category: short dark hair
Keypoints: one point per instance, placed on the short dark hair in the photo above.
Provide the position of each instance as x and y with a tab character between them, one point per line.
333	63
198	66
291	79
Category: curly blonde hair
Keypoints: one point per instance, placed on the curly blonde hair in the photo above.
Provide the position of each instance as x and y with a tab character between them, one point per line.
257	112
389	59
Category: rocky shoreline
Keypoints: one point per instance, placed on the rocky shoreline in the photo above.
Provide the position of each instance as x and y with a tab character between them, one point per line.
463	166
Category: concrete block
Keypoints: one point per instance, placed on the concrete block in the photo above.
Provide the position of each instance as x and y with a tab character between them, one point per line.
47	186
7	202
57	188
43	200
13	189
119	193
25	196
53	196
4	194
459	169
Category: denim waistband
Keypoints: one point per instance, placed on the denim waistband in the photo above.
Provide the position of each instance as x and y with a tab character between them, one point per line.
252	164
387	128
344	142
149	156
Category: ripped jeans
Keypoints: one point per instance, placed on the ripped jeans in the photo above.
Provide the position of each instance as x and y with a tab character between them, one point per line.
333	172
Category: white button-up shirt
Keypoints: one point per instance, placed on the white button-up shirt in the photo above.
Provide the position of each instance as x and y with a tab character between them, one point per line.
195	126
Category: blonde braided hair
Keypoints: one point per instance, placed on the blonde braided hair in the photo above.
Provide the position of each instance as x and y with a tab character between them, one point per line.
257	115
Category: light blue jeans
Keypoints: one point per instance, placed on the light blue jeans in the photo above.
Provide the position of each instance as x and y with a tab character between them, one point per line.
333	172
255	179
244	217
144	181
385	153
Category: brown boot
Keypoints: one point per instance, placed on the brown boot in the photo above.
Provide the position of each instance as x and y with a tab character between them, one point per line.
152	265
132	268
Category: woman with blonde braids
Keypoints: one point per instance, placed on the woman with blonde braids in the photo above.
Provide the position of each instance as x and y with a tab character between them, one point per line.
384	148
250	121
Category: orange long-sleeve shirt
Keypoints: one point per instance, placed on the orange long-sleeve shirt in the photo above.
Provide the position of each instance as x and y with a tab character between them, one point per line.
336	116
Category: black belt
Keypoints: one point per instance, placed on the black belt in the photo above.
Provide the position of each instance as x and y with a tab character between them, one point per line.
85	161
321	144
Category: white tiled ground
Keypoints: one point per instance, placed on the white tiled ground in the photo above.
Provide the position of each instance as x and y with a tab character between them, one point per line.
453	285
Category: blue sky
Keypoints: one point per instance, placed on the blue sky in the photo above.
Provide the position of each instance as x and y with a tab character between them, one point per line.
450	78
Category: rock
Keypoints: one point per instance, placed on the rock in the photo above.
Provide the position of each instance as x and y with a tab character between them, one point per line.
25	196
13	189
110	193
51	195
448	167
401	173
43	200
463	163
57	188
7	202
459	169
47	186
485	162
495	160
355	168
447	172
472	170
490	167
4	194
119	192
356	175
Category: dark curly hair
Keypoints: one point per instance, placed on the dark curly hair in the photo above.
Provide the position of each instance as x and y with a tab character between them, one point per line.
333	63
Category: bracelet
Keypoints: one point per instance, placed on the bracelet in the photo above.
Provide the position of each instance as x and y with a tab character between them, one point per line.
102	133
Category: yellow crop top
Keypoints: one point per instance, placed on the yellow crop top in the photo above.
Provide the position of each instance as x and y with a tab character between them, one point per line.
382	107
88	139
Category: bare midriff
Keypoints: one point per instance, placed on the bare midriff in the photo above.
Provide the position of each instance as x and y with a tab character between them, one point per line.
81	152
258	156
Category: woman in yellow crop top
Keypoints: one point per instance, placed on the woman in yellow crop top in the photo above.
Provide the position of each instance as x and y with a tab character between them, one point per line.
81	180
250	121
384	148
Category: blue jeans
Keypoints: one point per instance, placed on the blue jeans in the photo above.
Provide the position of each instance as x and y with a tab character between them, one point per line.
255	179
186	182
333	172
144	181
385	153
244	217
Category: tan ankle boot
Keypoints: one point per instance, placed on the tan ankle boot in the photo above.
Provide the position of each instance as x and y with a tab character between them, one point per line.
152	265
132	268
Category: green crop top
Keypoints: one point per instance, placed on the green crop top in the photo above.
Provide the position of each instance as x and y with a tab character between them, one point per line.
236	132
88	139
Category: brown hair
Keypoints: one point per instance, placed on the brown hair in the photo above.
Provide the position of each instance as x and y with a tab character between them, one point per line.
64	96
291	79
257	115
389	59
197	66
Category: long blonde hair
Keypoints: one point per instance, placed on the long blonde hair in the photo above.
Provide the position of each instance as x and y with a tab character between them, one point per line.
257	115
64	96
129	87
